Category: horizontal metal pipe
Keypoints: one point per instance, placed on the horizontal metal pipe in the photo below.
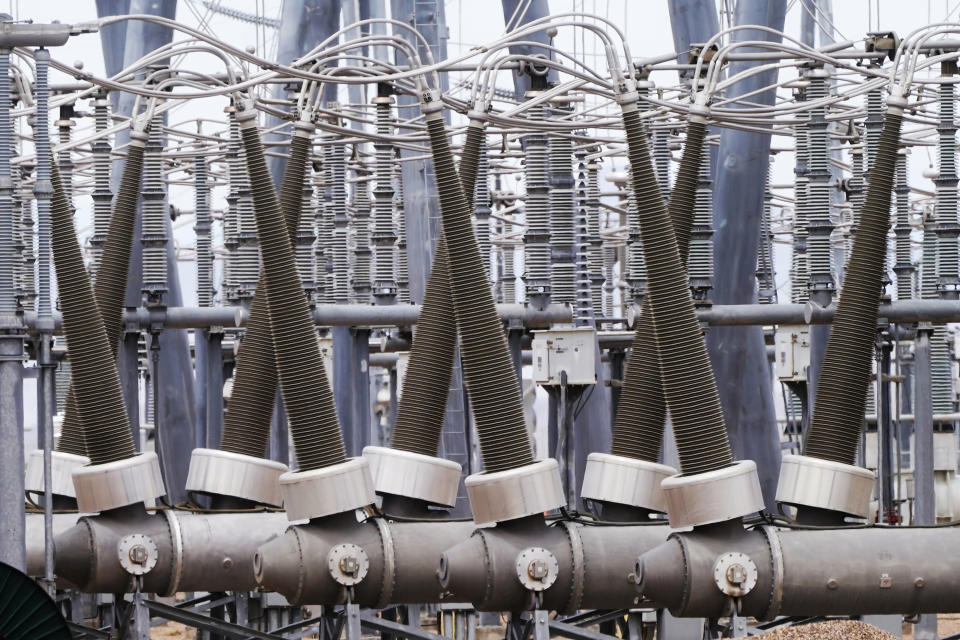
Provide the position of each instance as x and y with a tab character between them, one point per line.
35	538
195	551
591	572
330	315
402	560
845	571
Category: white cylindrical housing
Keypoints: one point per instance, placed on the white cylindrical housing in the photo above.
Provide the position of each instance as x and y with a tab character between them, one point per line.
61	471
625	481
234	474
322	492
414	475
101	487
515	493
713	496
824	484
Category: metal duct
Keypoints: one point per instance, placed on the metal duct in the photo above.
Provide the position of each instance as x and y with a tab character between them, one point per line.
488	369
425	388
246	426
642	411
848	571
110	287
307	396
100	407
842	387
688	383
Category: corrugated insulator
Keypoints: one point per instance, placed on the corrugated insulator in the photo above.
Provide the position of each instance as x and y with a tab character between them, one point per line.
488	369
360	246
536	240
816	214
102	195
384	236
153	234
948	212
903	267
307	395
103	417
202	228
642	410
688	383
845	375
402	271
562	208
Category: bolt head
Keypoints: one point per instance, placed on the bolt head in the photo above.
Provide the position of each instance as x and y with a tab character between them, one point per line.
537	569
832	583
736	574
349	565
227	562
138	554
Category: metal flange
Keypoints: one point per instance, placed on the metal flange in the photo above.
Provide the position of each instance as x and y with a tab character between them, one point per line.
233	474
414	475
537	568
824	484
625	481
735	574
348	563
101	487
137	553
515	493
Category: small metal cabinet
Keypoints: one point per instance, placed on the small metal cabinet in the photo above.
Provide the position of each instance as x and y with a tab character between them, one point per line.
570	349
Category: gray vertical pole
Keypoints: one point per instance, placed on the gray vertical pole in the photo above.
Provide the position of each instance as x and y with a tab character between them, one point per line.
925	508
12	540
738	354
46	396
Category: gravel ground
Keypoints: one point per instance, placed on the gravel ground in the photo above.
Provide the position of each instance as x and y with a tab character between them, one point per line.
831	630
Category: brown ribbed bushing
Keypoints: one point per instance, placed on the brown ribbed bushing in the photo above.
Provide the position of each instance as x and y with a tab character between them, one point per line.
246	426
642	411
102	415
423	404
110	287
488	370
847	363
688	383
307	396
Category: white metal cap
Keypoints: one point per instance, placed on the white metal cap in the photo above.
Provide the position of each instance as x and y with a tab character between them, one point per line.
234	474
61	471
824	484
413	475
101	487
515	493
713	496
625	481
322	492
